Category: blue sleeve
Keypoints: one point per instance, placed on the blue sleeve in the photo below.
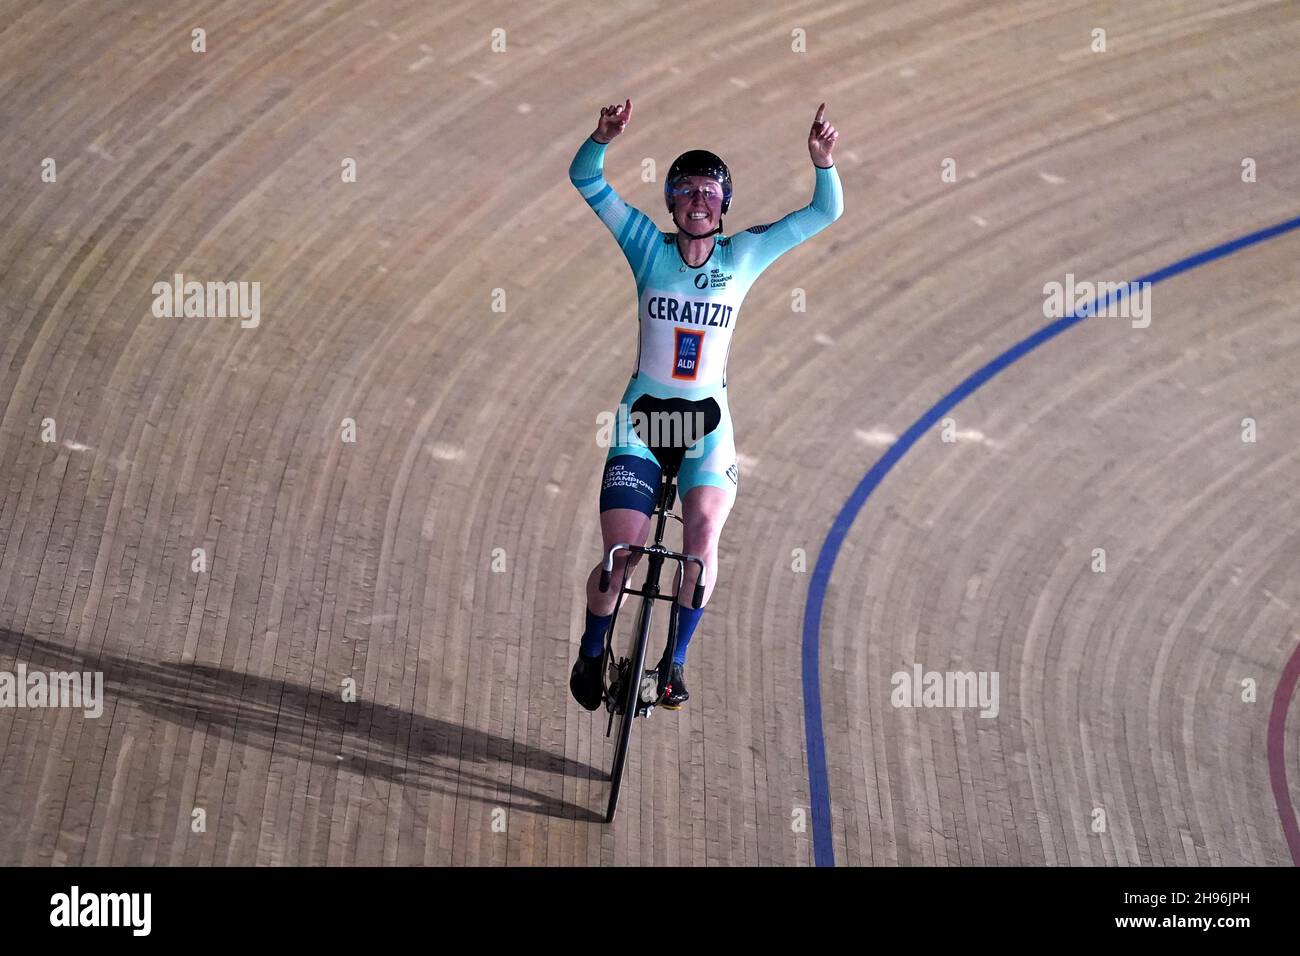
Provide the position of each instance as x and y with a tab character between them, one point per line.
759	246
637	235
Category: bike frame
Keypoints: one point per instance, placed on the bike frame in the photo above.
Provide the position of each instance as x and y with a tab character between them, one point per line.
657	554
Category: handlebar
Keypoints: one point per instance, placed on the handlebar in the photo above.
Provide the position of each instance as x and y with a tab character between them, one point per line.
607	568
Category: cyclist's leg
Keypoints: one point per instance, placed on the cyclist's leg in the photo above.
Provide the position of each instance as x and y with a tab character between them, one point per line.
629	488
705	511
617	526
707	483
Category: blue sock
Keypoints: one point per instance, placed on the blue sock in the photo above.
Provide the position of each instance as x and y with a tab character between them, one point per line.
593	638
687	618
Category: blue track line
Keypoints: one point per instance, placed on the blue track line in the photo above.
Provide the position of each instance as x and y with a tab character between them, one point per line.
819	791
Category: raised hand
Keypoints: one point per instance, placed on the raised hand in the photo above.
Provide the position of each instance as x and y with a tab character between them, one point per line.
821	139
613	120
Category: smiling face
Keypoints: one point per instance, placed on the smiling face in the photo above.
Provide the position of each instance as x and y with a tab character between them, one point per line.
697	204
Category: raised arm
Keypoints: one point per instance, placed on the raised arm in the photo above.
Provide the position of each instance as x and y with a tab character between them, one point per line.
759	246
635	232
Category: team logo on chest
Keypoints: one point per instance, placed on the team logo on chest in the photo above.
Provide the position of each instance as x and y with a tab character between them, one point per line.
668	308
687	346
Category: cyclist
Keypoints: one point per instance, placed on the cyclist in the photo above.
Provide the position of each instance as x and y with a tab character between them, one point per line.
690	284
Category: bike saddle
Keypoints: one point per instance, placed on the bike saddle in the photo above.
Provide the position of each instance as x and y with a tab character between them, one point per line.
669	426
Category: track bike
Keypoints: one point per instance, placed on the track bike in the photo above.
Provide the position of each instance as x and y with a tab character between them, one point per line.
630	690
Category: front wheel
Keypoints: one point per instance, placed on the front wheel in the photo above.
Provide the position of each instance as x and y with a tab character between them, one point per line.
631	699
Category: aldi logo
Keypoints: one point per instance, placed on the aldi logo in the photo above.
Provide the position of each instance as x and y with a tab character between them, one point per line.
688	345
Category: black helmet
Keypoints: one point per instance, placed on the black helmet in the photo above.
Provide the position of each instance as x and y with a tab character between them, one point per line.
698	162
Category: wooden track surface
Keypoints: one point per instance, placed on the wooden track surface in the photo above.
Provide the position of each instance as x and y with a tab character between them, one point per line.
476	431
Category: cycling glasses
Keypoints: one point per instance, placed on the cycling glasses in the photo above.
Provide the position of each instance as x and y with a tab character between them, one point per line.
711	192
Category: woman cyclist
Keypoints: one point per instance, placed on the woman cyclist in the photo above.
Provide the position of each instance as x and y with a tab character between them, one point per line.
690	284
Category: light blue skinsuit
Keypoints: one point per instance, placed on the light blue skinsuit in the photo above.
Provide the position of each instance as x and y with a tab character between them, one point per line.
687	316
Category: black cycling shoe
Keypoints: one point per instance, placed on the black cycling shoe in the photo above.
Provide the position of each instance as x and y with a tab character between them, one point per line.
675	694
585	681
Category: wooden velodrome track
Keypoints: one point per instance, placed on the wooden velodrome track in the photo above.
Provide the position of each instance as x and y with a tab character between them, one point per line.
377	560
